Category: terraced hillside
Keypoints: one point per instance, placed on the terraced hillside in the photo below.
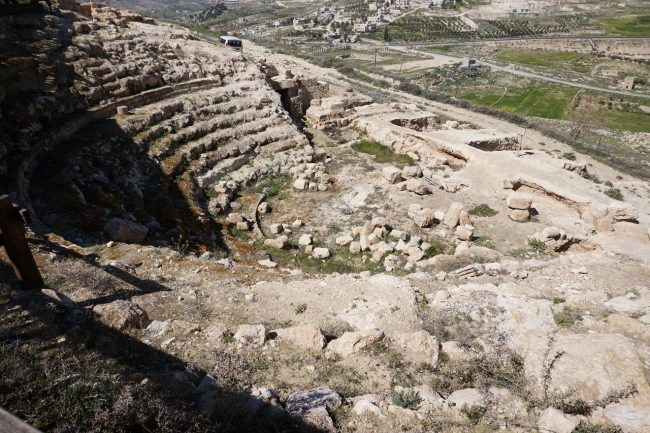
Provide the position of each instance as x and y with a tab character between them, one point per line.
137	121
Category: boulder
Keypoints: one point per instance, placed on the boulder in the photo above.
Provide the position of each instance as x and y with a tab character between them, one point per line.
320	253
344	240
555	421
303	401
468	398
280	242
519	215
590	367
305	239
392	174
319	419
419	346
418	186
354	342
363	407
125	230
252	335
632	419
355	247
464	233
301	184
452	215
519	200
423	217
411	171
122	314
306	337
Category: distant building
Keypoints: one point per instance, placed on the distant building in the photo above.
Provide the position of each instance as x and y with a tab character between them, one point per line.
629	83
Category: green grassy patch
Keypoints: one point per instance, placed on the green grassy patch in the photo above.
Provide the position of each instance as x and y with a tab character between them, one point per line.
484	241
482	210
567	317
273	184
548	59
614	193
637	26
382	153
539	100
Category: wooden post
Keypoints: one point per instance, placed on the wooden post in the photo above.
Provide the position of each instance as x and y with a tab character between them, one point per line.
13	238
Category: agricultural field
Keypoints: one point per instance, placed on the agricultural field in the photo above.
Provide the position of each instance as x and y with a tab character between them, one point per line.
418	27
634	26
567	65
549	101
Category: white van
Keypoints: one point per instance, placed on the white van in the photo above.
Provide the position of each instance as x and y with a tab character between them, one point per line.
231	41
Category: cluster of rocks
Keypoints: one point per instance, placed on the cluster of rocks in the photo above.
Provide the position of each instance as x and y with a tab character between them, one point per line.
311	176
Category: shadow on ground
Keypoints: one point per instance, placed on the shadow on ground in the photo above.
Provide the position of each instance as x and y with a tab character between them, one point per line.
64	371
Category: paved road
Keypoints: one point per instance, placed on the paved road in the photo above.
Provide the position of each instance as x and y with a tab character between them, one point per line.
529	38
512	70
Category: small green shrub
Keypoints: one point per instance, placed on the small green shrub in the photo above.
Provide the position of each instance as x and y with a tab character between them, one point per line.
569	155
537	246
567	317
587	427
473	413
558	301
301	308
484	241
273	184
437	247
614	193
592	177
483	210
382	153
407	399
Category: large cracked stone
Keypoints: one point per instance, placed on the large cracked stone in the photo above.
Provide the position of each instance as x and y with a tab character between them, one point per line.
592	367
419	346
354	342
121	315
307	337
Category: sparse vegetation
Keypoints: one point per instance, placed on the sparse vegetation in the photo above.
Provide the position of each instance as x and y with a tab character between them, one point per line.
473	413
408	399
567	317
614	193
484	241
273	184
482	210
382	153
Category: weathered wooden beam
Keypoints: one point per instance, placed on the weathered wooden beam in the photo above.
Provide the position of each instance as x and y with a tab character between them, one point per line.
11	424
13	232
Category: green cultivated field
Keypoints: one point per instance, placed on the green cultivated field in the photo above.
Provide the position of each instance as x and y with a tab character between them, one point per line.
549	59
538	100
637	26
